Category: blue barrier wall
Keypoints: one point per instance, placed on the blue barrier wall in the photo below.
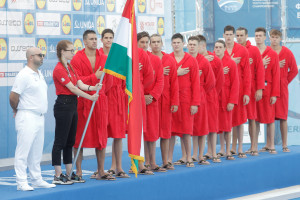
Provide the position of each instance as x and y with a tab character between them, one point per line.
252	14
43	23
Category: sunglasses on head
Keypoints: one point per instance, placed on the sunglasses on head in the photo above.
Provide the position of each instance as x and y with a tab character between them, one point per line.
40	55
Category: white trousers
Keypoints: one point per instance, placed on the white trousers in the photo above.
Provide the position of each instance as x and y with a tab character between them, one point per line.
30	142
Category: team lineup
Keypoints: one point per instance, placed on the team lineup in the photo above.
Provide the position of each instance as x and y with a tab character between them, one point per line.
196	95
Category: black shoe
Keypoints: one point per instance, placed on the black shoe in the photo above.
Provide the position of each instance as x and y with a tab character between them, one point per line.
77	179
62	180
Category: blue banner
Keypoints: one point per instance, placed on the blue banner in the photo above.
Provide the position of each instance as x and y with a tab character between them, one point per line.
43	23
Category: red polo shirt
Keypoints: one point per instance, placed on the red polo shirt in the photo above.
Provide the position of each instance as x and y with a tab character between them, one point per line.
62	77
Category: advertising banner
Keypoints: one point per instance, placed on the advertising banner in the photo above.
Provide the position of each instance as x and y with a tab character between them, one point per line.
43	23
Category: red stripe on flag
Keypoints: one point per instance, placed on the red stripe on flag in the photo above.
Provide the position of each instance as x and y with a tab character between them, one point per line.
128	9
135	107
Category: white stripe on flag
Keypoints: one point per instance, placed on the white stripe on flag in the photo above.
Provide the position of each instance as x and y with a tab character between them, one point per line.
123	35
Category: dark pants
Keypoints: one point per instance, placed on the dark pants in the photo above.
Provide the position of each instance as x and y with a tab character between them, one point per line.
66	117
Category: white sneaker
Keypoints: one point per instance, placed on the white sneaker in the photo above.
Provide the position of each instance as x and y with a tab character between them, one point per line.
43	184
25	187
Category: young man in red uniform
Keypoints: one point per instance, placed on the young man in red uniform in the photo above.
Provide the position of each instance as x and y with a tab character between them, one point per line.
212	98
152	95
288	71
241	57
257	86
169	100
189	96
207	83
89	64
146	78
266	107
229	95
116	111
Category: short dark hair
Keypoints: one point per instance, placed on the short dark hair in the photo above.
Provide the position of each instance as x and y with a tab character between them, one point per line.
275	32
107	30
261	29
177	35
194	38
87	32
201	38
140	35
221	41
242	29
229	28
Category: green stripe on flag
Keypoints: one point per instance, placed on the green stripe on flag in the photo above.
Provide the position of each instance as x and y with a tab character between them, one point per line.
119	64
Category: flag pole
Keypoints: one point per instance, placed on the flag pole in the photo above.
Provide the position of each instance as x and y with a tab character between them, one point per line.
85	128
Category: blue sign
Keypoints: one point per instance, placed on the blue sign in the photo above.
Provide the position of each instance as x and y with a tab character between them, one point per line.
293	19
230	6
244	17
51	47
83	22
94	6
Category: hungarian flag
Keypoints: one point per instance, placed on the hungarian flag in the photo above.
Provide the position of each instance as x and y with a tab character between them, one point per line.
122	62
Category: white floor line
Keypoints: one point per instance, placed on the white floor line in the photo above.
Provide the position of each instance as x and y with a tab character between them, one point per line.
278	194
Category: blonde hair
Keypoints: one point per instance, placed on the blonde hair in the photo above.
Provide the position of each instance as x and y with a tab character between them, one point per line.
275	32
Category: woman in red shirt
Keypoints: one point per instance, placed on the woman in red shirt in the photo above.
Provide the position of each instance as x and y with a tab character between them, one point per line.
68	87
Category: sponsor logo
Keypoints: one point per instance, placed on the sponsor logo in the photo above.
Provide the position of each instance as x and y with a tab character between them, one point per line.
21	4
29	23
41	4
62	80
111	4
60	1
155	7
120	6
11	23
18	47
8	72
112	21
48	24
42	46
77	4
142	6
230	6
59	5
66	24
2	3
94	6
78	45
51	47
149	24
100	24
84	24
161	26
3	49
94	2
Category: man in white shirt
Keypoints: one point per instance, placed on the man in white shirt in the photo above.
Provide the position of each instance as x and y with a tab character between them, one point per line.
28	99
